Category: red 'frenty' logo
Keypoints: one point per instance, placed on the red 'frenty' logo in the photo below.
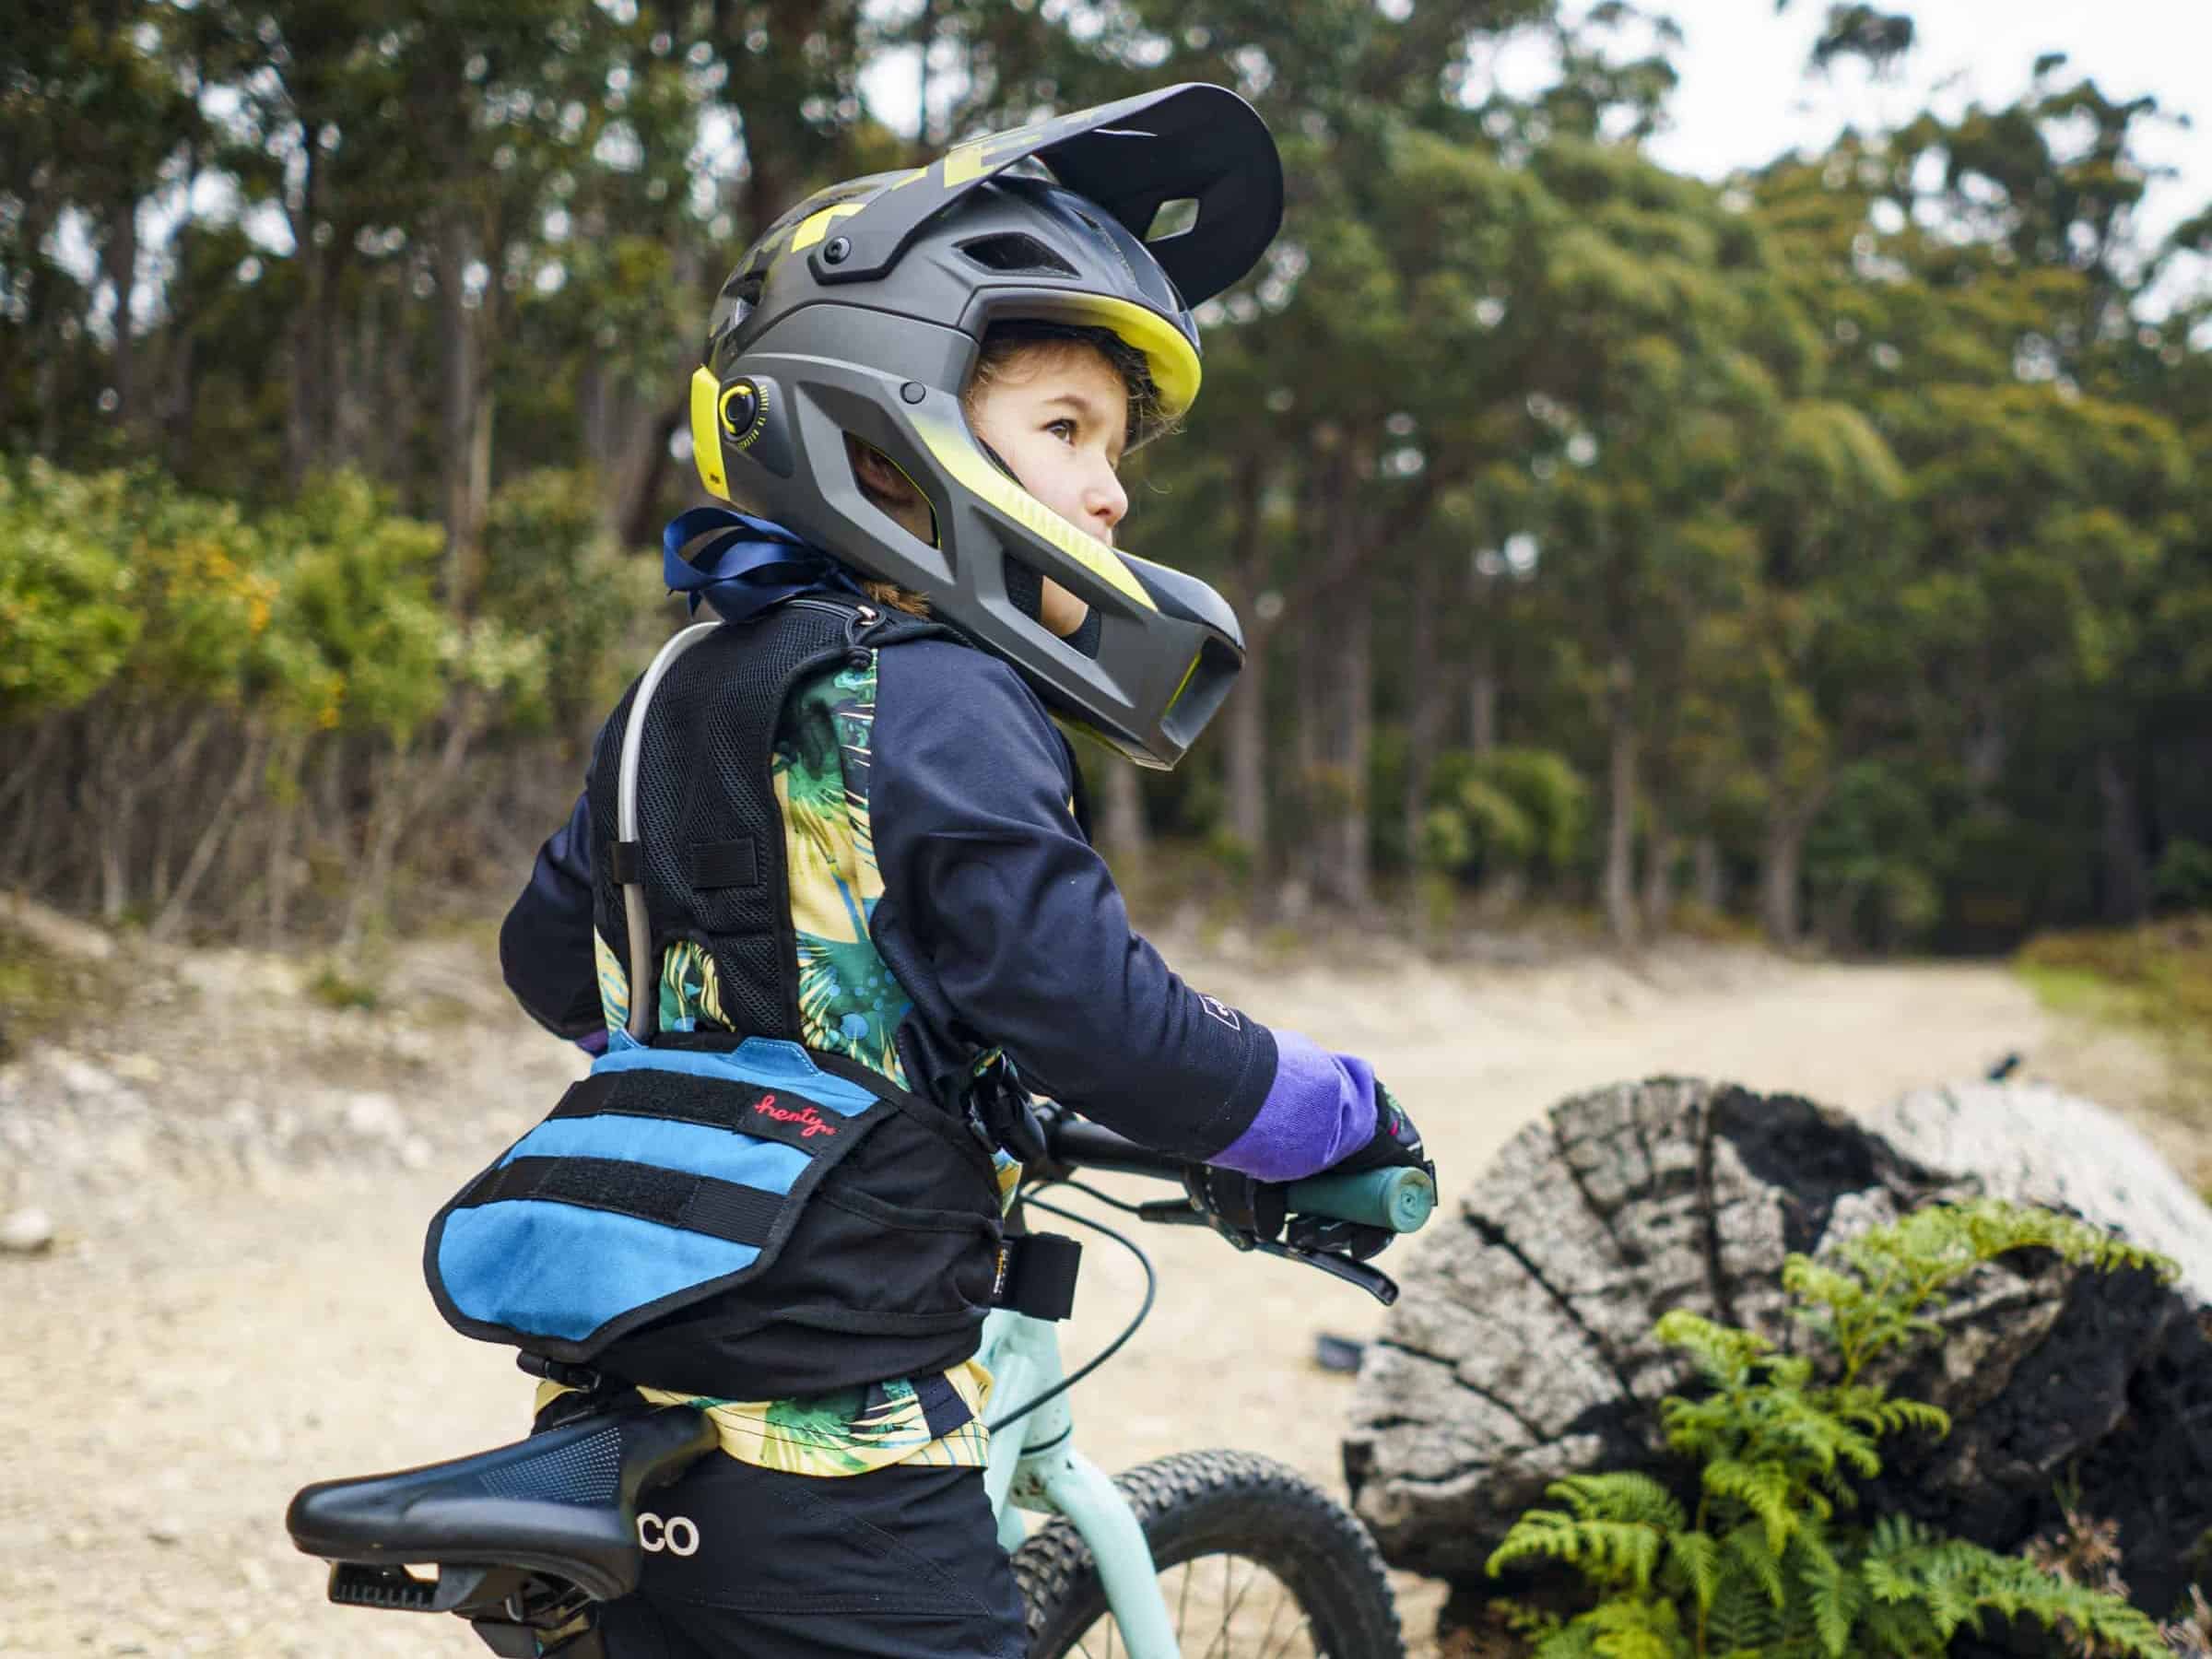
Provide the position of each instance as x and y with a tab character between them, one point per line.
810	1121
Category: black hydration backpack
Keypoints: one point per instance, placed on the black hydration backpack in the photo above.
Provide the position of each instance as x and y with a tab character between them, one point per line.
723	1213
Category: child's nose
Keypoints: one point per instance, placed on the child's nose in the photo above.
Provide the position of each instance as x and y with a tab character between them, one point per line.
1104	499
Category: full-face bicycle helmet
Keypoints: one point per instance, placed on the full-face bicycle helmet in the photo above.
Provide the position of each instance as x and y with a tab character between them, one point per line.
861	312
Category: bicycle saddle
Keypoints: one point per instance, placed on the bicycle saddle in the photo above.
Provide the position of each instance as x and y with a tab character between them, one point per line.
562	1504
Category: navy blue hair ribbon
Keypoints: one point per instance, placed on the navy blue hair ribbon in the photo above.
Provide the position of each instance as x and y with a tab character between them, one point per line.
745	565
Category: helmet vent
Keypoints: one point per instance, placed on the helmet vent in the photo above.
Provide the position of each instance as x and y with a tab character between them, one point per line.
1173	218
1015	251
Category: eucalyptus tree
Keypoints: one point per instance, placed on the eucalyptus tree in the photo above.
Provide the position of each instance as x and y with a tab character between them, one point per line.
2043	487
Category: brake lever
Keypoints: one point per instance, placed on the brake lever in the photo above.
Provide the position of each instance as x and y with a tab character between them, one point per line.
1373	1280
1174	1212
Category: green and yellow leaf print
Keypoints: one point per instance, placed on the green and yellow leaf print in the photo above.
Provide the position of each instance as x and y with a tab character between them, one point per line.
848	1432
613	983
690	990
849	1003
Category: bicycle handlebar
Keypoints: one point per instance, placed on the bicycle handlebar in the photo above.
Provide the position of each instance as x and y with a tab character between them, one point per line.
1400	1199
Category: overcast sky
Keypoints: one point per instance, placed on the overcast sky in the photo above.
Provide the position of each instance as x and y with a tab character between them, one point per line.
1745	96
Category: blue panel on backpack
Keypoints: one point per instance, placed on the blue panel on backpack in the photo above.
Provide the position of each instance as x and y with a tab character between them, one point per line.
694	1149
557	1270
766	1062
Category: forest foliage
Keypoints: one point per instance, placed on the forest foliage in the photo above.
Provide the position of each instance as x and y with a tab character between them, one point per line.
1830	545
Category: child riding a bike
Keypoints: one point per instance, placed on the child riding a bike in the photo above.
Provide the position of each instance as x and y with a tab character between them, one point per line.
827	907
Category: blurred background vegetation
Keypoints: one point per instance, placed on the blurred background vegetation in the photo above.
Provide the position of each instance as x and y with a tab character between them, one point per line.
1825	551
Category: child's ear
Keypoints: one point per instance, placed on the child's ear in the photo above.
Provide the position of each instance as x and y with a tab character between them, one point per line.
891	491
875	472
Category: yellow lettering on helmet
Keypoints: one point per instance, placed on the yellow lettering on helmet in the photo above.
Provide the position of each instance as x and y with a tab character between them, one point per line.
972	161
815	226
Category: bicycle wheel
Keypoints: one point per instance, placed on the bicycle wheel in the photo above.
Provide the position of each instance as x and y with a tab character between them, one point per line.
1255	1562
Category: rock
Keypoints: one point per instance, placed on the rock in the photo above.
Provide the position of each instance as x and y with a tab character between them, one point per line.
2029	1142
62	935
373	1117
163	1531
26	1232
1521	1349
81	1077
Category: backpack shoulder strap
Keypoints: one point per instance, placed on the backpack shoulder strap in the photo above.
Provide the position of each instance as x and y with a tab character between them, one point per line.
685	811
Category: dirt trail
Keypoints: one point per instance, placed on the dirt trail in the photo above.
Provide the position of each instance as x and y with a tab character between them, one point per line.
234	1304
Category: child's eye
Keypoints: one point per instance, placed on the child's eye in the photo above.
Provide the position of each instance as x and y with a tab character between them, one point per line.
1063	429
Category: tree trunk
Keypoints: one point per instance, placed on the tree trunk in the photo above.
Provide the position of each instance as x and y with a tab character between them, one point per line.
1523	1352
1248	768
1709	877
1781	869
1482	701
41	339
1309	797
1426	692
1247	758
2127	871
303	416
122	262
1659	878
1482	668
463	423
177	377
220	824
633	504
1121	823
1348	665
1620	805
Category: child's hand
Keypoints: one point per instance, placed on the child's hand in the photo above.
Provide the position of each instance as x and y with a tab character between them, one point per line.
1242	1209
1396	1143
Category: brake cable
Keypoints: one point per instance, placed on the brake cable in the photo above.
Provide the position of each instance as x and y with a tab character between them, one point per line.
1112	1348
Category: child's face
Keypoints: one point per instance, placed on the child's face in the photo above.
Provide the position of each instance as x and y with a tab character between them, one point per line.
1058	415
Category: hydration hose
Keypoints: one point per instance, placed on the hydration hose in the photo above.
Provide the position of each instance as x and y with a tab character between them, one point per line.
1112	1348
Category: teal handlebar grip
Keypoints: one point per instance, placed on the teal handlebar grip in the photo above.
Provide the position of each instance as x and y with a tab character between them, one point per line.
1400	1199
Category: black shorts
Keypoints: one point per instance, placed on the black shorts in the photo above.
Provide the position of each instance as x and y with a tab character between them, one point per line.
750	1563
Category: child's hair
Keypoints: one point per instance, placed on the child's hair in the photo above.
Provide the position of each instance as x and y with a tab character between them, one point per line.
892	493
1005	342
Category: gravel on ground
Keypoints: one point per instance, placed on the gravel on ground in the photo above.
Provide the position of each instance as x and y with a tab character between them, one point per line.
217	1296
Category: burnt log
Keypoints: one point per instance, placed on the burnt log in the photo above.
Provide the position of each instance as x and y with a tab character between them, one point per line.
1522	1350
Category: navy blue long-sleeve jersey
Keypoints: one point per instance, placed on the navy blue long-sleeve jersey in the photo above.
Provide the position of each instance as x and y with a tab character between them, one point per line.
1004	926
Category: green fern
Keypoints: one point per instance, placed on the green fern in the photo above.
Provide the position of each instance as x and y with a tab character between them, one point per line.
1756	1566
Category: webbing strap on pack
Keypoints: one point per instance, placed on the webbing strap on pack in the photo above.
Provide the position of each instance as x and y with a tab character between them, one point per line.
773	1115
701	1203
727	863
1037	1276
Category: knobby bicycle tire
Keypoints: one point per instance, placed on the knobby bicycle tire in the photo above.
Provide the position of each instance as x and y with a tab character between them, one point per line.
1197	1504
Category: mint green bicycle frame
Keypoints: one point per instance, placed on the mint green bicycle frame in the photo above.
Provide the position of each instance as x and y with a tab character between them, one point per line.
1034	1466
1034	1463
